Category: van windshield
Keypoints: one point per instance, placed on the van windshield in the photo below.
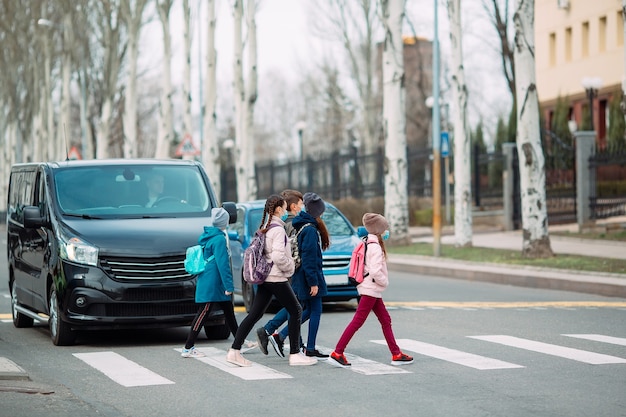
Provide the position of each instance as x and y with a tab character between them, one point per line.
131	191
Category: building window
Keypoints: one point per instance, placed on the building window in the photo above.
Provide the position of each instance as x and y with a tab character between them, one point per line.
602	34
568	44
620	28
585	39
553	49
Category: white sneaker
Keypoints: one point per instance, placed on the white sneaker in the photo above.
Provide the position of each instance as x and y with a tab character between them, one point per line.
236	358
300	359
192	352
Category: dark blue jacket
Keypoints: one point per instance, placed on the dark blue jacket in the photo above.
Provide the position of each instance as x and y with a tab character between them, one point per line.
310	246
217	276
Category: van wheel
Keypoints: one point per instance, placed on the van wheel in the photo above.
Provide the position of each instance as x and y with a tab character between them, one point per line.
60	331
219	332
19	319
248	294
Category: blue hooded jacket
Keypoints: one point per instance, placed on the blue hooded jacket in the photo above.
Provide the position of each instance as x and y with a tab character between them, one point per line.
218	275
310	246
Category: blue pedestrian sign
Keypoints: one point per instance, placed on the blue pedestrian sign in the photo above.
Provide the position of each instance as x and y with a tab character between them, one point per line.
445	144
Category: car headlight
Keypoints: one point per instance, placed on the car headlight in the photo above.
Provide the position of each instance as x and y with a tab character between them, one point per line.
76	250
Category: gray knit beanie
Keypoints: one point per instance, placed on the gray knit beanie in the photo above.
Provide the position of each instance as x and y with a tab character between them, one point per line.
375	223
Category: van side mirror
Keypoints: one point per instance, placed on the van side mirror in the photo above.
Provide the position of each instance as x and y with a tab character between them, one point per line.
361	231
33	219
233	235
231	208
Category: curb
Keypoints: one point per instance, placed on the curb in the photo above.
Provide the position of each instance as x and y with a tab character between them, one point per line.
611	285
10	370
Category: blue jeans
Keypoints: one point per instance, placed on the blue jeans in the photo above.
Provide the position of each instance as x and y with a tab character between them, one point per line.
274	324
312	310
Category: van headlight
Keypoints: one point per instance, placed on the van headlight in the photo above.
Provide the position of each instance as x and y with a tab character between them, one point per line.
75	250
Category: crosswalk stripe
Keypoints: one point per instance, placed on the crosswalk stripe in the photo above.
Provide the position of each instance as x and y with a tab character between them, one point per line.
600	338
217	358
554	350
364	366
451	355
121	370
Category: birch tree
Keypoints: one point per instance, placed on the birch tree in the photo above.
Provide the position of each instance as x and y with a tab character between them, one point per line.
131	12
462	145
187	125
536	241
210	152
108	13
165	133
623	103
394	123
245	98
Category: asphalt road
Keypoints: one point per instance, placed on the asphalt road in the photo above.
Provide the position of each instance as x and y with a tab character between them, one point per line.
480	349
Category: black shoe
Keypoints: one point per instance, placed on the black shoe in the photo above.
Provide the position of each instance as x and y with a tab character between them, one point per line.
315	353
262	337
277	344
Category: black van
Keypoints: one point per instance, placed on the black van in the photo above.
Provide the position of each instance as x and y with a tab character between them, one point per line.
100	244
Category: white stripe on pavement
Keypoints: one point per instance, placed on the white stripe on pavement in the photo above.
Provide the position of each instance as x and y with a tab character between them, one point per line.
363	366
217	359
600	338
121	370
451	355
554	350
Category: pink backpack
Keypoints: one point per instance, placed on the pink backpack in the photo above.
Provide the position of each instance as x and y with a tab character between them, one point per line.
356	270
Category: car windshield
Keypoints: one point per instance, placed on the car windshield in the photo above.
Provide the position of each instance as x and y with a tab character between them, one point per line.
336	223
131	191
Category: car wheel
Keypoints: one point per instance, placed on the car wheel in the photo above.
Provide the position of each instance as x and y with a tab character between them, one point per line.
19	319
219	332
60	331
248	294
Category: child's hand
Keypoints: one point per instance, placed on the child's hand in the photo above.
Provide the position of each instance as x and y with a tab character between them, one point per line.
227	292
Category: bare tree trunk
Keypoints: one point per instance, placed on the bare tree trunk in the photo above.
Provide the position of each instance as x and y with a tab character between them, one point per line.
251	96
394	122
166	130
65	127
111	39
210	150
239	91
536	242
623	103
462	149
187	124
132	16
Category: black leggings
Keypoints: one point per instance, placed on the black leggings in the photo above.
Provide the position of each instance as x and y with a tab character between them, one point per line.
203	314
286	297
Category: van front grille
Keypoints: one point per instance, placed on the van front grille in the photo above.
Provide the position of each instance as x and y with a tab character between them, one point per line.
336	262
130	269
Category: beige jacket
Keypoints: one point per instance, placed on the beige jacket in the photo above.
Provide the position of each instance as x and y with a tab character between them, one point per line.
278	250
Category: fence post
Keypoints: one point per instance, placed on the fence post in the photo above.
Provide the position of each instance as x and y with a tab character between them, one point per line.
508	150
585	148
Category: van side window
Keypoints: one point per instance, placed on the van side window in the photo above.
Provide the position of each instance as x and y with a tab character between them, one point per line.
40	194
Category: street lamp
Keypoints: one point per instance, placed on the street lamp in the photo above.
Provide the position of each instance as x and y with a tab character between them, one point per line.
300	126
591	86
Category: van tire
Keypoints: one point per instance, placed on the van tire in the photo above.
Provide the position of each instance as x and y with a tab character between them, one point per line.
248	294
219	332
60	332
19	319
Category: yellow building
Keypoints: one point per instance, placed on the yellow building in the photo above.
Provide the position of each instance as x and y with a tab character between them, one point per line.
578	40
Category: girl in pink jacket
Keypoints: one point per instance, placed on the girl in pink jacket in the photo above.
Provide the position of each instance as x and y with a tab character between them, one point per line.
371	290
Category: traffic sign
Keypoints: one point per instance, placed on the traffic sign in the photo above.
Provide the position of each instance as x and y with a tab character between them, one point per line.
445	144
187	148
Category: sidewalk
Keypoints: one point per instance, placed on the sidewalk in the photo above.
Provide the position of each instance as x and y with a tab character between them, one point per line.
600	283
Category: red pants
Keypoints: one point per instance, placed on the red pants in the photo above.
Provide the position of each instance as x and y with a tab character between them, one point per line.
367	304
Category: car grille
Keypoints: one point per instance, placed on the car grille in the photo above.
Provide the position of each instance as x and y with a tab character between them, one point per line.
165	268
150	310
336	261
